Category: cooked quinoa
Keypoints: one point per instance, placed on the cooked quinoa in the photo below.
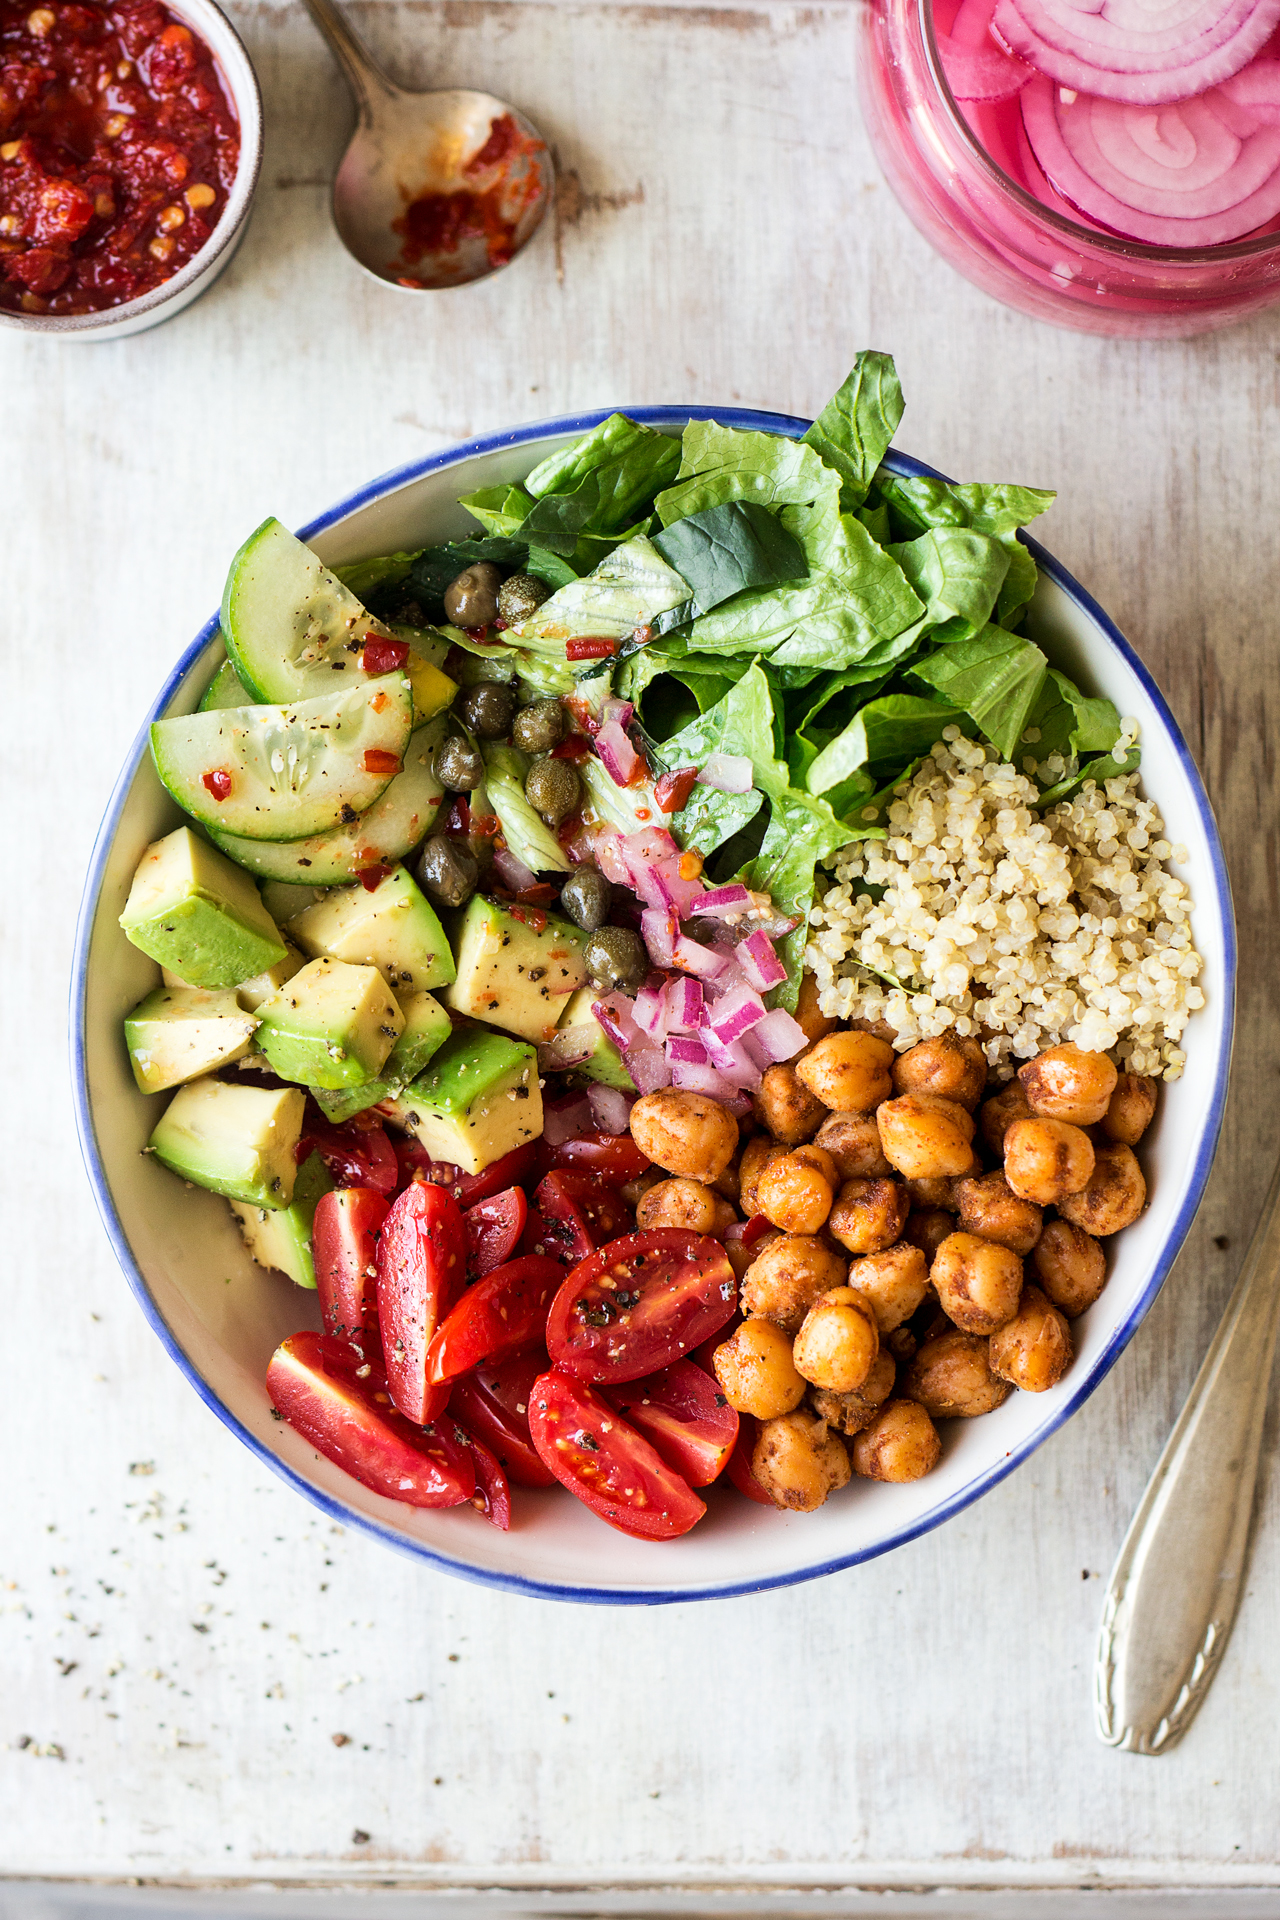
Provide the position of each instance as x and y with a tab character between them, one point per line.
1026	927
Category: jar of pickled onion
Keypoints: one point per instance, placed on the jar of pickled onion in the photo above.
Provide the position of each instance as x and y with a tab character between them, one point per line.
1108	165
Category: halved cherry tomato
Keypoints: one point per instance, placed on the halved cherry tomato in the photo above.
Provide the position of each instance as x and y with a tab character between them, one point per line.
578	1213
509	1171
640	1303
493	1402
494	1227
738	1469
314	1383
344	1247
614	1155
355	1155
421	1272
611	1468
684	1416
492	1496
505	1310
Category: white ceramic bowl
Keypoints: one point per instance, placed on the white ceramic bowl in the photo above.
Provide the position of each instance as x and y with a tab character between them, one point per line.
171	296
220	1317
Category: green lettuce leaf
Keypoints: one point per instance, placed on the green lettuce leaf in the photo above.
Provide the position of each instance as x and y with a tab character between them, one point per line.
1105	767
719	464
1019	583
995	677
365	577
625	591
669	690
958	573
524	830
628	462
1067	722
626	809
853	431
884	734
500	510
723	550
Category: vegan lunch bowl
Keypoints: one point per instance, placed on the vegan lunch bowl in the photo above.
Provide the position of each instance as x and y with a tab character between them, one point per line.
653	1004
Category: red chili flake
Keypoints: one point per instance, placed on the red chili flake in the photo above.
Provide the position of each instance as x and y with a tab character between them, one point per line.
574	748
642	636
539	895
478	634
533	917
376	760
219	783
371	878
590	649
642	813
458	818
383	656
673	789
485	825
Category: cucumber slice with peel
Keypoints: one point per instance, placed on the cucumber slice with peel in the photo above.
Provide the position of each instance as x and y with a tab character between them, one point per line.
290	626
280	773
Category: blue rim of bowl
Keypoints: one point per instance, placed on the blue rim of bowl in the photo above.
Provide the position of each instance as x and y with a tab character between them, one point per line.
750	420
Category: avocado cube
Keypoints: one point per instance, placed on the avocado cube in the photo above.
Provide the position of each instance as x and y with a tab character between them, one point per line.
193	912
178	1033
332	1025
282	1238
426	1028
252	993
516	967
390	926
477	1100
234	1140
603	1061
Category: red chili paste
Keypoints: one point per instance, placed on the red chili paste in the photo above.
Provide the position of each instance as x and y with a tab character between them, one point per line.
440	223
118	147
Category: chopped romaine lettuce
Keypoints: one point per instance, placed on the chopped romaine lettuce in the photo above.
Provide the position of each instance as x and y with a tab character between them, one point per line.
853	431
623	593
958	573
630	463
724	549
881	737
525	831
995	677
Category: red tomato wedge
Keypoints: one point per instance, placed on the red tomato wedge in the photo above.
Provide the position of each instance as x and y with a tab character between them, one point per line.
684	1417
640	1303
611	1468
494	1226
314	1385
615	1155
505	1310
344	1247
493	1403
421	1271
739	1468
355	1155
511	1171
578	1212
492	1496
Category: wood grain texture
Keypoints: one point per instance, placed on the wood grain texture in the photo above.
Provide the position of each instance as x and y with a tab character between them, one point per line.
182	1638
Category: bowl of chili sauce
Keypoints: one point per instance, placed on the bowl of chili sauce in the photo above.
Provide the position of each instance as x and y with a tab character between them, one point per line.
130	141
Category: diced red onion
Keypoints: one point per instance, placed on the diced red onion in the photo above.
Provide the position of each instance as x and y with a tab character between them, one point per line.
692	1078
648	844
659	931
735	1014
693	957
567	1048
734	1063
684	1002
649	1068
680	896
610	1108
650	1011
727	773
614	1015
759	962
620	710
611	858
739	1104
687	1048
617	754
718	903
513	873
778	1035
565	1119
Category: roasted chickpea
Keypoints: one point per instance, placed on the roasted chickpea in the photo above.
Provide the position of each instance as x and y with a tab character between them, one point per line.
687	1204
1115	1194
901	1443
633	1191
990	1207
953	1067
837	1341
798	1461
1130	1110
938	1190
868	1214
879	1029
684	1132
927	1228
893	1281
809	1154
923	1135
729	1184
1033	1350
1065	1083
786	1277
848	1072
756	1372
794	1195
978	1282
808	1013
851	1412
901	1343
853	1141
997	1115
787	1107
1044	1160
758	1153
1070	1265
951	1377
740	1256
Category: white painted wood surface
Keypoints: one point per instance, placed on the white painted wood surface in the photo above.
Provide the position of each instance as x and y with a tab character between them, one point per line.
181	1638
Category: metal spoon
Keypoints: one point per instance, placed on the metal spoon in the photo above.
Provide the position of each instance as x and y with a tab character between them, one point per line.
1175	1587
436	189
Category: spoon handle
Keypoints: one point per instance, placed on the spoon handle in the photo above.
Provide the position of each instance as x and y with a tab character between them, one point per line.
1176	1584
364	76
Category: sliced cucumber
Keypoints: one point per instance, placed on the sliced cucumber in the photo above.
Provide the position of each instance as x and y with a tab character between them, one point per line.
391	828
226	689
290	626
280	773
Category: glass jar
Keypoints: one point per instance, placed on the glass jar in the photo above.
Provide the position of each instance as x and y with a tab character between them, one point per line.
1008	243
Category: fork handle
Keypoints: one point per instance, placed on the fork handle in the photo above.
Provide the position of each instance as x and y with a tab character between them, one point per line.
1174	1589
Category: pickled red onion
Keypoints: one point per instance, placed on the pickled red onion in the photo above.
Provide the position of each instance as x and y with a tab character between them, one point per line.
1116	54
975	66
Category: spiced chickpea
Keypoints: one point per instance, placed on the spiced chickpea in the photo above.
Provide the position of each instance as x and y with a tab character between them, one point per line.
868	1215
729	1184
810	1154
756	1372
893	1282
786	1106
900	1444
1034	1349
787	1275
901	1343
952	1066
1113	1197
687	1204
997	1115
951	1377
1130	1110
686	1133
756	1156
938	1190
1066	1083
924	1136
927	1228
633	1191
853	1141
1045	1160
851	1412
978	1282
808	1013
798	1461
848	1072
794	1195
837	1341
1070	1265
990	1207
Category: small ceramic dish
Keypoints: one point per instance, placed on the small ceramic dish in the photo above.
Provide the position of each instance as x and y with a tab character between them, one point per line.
220	1317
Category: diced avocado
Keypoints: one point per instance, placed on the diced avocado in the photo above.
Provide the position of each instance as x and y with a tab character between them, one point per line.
426	1028
282	1237
389	926
252	993
283	900
603	1061
234	1140
516	967
195	913
177	1033
477	1100
332	1025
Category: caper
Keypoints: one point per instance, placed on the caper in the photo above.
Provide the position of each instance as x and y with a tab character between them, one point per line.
553	789
586	898
539	727
521	596
616	959
458	766
488	709
447	871
471	600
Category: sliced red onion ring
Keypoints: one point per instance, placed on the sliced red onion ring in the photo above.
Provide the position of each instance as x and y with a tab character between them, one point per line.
727	773
1117	60
759	962
513	873
617	754
610	1108
976	68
